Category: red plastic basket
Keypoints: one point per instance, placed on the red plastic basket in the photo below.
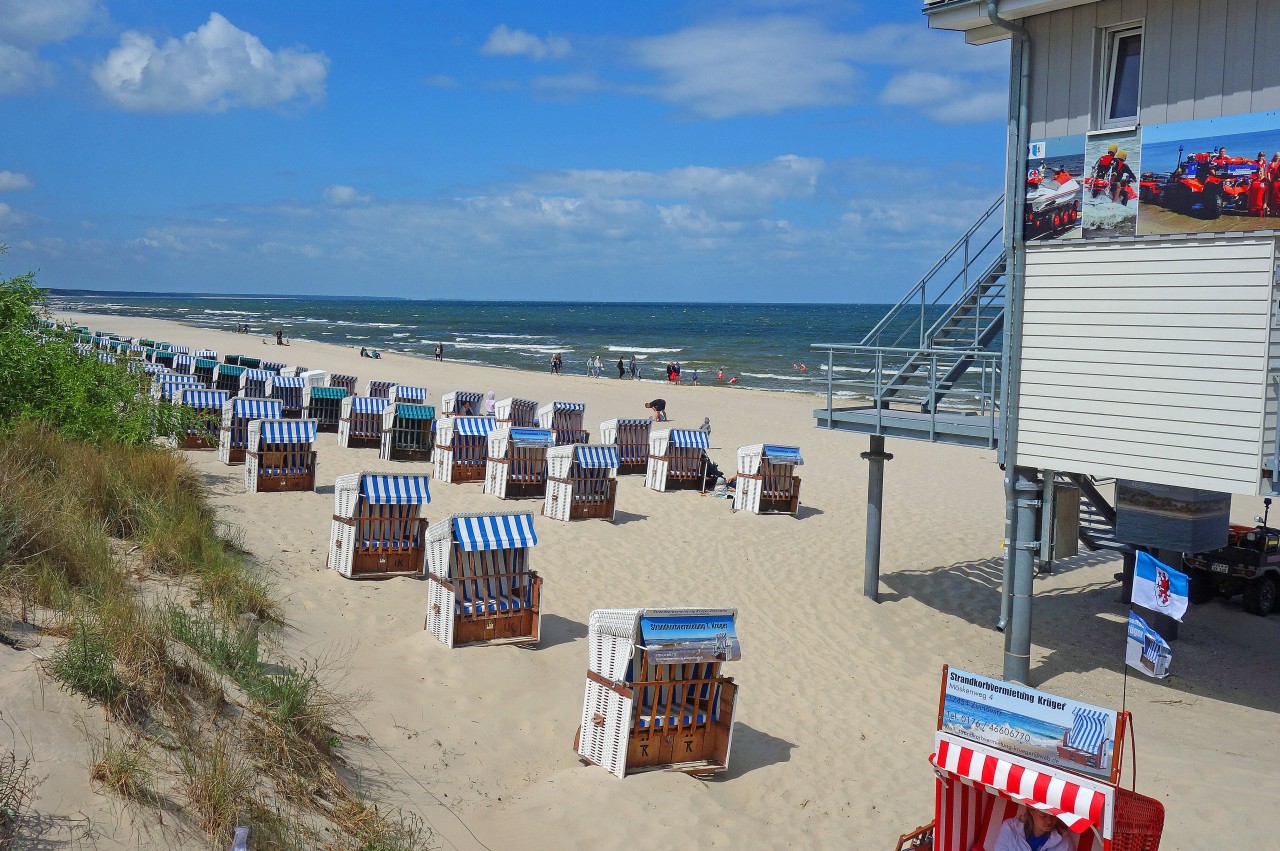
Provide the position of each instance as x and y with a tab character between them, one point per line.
1138	824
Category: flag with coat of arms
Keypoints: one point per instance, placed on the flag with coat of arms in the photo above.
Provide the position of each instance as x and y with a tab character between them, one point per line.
1158	587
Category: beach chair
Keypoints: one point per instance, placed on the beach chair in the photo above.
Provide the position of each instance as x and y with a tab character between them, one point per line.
180	350
206	354
517	413
767	483
346	382
250	362
516	466
167	385
378	389
315	377
324	405
461	448
582	482
288	389
1085	743
408	393
280	456
565	421
273	367
233	436
183	364
231	360
293	371
631	437
408	432
253	383
164	358
204	368
480	589
360	425
227	377
655	696
377	525
206	406
461	403
678	460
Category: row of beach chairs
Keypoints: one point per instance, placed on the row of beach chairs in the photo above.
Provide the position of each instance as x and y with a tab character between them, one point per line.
655	696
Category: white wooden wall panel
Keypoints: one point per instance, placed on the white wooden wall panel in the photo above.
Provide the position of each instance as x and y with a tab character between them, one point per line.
1149	360
1201	59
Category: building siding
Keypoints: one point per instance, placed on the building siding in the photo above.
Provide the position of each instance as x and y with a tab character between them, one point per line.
1149	359
1201	59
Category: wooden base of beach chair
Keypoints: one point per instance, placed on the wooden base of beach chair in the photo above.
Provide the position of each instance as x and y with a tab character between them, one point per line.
596	509
279	482
520	627
632	468
782	504
699	749
465	473
680	483
198	441
331	428
235	455
410	455
526	490
916	838
370	564
364	442
291	413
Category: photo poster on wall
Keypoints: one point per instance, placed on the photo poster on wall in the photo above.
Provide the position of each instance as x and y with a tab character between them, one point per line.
1055	181
1112	161
1212	175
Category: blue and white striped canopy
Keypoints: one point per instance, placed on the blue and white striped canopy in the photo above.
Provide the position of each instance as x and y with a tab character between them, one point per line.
206	353
134	347
494	532
287	381
181	350
473	426
83	348
196	398
404	393
687	438
255	409
532	437
339	378
368	404
153	368
394	490
288	431
596	457
783	454
256	375
1088	730
272	366
106	358
178	378
629	422
568	406
183	360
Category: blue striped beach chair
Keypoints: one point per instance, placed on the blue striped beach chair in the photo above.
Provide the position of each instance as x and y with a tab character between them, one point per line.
767	483
565	421
631	437
461	403
233	436
288	390
516	464
678	460
655	695
517	413
280	456
206	407
378	528
361	422
253	383
582	482
480	588
461	448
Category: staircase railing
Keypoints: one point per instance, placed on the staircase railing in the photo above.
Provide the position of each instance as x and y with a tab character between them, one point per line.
908	322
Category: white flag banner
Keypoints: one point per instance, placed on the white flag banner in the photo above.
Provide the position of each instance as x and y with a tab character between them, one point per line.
1158	587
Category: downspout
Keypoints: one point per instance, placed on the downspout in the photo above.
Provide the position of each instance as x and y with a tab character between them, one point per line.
1015	602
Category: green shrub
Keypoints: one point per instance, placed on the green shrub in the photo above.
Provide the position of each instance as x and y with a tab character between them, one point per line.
85	665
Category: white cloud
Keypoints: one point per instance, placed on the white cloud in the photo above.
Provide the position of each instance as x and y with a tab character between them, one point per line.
756	66
214	68
339	195
947	98
32	23
440	81
11	181
504	41
22	70
11	218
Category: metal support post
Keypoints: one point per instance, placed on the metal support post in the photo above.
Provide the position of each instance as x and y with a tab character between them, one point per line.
875	458
1017	637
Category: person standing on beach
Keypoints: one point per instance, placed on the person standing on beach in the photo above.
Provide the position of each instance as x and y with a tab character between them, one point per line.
693	376
597	366
556	363
440	351
622	369
635	372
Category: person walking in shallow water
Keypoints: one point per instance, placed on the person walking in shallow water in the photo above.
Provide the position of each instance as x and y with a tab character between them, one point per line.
622	369
635	372
440	351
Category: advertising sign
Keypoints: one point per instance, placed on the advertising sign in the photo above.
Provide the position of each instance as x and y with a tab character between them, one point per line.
690	638
1055	180
1111	184
1146	650
1052	730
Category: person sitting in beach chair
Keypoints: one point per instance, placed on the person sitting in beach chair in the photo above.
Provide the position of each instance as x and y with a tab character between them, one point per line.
1033	830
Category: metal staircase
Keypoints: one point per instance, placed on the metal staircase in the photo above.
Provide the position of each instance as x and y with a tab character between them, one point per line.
1097	516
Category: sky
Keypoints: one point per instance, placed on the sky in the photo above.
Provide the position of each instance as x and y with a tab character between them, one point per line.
692	151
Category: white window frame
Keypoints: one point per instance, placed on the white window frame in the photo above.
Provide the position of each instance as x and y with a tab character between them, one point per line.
1111	49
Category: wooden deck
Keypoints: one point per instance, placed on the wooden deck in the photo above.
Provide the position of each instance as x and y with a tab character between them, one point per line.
954	427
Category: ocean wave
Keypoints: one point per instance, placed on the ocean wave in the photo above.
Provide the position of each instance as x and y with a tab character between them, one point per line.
401	334
510	347
638	350
775	377
507	336
381	324
233	312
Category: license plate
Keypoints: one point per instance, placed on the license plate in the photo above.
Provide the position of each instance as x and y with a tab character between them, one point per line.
1219	568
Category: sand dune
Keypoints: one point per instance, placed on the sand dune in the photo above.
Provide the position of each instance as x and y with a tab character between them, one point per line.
838	695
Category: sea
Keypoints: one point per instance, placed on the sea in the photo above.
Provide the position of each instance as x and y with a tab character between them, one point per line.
763	346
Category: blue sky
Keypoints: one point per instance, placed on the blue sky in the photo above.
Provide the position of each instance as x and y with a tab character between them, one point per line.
768	151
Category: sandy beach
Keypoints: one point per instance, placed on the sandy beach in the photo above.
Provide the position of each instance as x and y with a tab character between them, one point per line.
838	696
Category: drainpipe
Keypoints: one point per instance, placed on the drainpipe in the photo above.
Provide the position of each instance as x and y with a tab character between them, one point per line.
1020	486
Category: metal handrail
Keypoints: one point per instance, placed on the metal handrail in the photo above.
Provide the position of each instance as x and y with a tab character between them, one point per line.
972	291
910	299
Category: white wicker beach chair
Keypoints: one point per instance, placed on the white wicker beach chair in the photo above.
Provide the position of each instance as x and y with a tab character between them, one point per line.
516	466
631	436
461	448
678	459
582	482
377	525
517	413
360	424
767	483
565	421
233	437
280	456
